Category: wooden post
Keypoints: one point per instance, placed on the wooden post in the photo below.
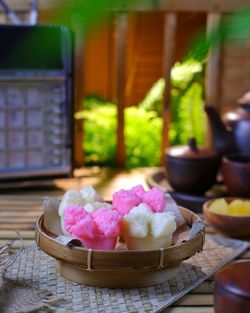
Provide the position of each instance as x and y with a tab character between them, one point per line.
78	93
120	69
170	24
212	81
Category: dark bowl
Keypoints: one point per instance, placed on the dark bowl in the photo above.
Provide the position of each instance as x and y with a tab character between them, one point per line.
191	175
231	226
236	174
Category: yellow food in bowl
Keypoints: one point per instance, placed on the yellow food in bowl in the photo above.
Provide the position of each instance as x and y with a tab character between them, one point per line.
235	208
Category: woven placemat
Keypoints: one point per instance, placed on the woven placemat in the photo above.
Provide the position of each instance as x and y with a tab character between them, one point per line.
38	269
17	296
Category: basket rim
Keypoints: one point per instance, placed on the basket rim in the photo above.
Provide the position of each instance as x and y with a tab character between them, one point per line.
89	259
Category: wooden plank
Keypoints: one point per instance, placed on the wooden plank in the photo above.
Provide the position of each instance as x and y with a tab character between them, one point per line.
17	214
18	6
17	226
25	199
9	234
146	5
196	300
16	244
3	18
191	309
213	72
120	66
212	82
20	207
79	54
201	5
245	255
170	26
98	66
51	4
206	287
20	219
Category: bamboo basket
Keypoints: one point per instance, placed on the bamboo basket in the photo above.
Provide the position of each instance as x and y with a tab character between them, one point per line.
119	268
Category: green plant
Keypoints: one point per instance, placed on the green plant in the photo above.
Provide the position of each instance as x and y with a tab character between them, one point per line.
188	117
143	137
154	97
142	134
100	124
187	100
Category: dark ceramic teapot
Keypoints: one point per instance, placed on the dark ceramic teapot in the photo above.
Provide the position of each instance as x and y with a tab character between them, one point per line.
232	135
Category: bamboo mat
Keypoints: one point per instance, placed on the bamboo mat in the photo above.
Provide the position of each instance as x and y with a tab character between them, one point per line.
38	270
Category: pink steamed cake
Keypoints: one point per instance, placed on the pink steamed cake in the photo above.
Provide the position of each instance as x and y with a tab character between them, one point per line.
108	222
154	198
79	223
100	243
98	230
139	191
73	214
125	200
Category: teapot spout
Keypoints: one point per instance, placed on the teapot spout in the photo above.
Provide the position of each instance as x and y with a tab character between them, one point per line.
223	139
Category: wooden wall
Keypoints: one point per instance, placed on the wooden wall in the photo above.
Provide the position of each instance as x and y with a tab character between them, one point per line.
144	52
235	74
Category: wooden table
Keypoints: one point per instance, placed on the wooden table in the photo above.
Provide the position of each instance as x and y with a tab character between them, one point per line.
20	210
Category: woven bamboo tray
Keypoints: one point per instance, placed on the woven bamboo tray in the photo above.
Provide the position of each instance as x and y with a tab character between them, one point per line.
119	268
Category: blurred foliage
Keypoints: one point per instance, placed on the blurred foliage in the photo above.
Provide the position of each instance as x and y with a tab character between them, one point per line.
143	124
142	134
187	113
87	14
100	123
142	137
232	28
154	97
187	101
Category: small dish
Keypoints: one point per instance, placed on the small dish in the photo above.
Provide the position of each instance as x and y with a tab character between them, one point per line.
228	225
236	174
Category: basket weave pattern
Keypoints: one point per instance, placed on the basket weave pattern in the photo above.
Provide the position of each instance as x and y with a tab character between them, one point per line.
39	270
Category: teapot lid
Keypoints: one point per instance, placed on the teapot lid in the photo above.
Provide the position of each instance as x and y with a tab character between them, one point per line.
190	151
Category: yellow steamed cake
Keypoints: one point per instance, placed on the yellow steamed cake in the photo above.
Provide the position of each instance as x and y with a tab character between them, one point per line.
219	206
236	207
239	207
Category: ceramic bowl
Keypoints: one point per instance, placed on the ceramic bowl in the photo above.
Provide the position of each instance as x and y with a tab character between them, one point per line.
230	226
191	175
236	174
